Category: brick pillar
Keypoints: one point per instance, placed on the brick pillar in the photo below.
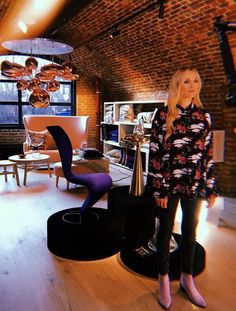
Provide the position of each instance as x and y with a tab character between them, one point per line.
98	113
226	178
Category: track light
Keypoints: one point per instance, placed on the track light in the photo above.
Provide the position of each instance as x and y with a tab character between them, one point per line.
161	9
115	33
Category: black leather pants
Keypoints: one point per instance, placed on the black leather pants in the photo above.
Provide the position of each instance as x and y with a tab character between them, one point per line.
190	216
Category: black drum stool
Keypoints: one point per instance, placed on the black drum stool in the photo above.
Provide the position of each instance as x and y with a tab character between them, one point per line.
94	235
136	212
144	260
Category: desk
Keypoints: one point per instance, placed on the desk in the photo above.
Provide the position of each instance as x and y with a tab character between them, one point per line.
29	161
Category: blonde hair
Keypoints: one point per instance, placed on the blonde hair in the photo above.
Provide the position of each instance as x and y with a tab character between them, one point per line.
174	97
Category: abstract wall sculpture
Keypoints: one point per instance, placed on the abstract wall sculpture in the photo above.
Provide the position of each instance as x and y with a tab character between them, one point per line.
227	57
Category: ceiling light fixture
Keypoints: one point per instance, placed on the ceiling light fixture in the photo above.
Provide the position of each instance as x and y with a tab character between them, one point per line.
161	9
115	33
38	81
22	26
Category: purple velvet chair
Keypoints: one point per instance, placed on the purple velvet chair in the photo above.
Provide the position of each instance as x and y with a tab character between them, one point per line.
98	183
87	232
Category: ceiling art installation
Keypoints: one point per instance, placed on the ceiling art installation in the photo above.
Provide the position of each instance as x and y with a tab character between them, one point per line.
39	81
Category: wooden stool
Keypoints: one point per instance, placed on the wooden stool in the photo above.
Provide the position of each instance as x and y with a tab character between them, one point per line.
5	172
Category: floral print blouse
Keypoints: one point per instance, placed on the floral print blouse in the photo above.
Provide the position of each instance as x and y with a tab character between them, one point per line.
182	165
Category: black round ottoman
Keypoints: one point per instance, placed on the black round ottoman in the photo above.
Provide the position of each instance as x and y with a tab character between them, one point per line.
95	236
144	261
137	213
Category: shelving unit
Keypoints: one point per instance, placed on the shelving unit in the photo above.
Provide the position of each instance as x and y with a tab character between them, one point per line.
116	125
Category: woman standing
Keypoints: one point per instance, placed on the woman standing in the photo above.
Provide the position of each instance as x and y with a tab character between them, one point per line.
180	169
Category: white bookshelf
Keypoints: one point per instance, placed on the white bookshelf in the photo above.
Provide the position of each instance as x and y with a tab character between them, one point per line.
112	121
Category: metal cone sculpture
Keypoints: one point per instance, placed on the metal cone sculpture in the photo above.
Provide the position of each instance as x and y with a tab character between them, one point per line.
136	139
137	181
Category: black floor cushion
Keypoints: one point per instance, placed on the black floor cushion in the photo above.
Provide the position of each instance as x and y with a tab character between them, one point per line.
144	261
97	236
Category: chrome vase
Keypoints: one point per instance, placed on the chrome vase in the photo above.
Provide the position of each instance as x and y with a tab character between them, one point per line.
137	181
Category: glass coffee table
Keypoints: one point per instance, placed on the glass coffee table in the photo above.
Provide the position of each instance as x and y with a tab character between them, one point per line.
30	162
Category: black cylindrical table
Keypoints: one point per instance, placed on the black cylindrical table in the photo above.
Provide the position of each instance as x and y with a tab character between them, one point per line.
137	213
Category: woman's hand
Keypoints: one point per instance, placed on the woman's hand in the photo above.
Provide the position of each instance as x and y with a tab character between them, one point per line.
211	201
162	202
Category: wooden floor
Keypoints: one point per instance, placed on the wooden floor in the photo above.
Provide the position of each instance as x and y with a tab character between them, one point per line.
33	279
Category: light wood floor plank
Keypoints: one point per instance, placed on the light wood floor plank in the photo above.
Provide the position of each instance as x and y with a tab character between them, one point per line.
33	279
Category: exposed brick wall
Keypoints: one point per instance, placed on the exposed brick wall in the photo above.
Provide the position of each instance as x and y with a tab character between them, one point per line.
139	62
227	183
11	142
86	105
11	136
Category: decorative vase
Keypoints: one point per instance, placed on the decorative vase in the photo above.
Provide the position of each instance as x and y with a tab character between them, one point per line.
137	181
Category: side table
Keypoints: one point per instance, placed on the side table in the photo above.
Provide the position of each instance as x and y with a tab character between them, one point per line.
28	161
5	172
137	213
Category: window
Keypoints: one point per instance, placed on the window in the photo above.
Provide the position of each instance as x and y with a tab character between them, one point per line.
15	103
